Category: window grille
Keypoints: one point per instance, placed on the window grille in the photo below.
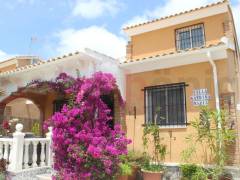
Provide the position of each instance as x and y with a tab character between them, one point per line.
165	105
190	37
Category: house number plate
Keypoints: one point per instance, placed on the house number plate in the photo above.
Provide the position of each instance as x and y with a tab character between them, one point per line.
200	97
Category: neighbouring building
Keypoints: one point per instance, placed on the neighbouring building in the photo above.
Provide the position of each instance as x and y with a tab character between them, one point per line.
17	62
174	65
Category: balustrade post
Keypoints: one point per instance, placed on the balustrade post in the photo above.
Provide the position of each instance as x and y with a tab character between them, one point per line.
26	155
1	150
34	157
49	150
17	149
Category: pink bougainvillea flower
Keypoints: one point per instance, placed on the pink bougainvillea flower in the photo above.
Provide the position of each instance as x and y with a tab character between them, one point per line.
6	125
84	144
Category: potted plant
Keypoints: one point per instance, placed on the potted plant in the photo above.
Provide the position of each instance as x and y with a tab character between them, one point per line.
136	160
153	169
125	171
36	129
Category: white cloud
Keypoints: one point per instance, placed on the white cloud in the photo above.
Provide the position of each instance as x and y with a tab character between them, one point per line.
4	55
136	20
170	7
94	8
93	37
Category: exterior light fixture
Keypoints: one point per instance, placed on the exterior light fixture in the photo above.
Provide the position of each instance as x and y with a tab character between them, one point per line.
28	102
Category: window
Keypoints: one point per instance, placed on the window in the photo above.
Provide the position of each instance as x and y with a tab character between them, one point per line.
190	37
165	105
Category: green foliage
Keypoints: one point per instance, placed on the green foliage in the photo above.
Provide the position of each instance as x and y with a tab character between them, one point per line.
2	176
151	132
188	170
36	129
194	172
187	154
160	150
212	131
137	159
125	169
201	174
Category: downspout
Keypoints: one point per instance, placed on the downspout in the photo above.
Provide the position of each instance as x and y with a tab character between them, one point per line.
217	101
215	80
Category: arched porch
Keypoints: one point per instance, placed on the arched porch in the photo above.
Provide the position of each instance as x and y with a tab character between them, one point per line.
30	106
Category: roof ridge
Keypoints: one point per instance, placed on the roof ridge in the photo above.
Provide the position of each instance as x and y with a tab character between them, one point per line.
176	14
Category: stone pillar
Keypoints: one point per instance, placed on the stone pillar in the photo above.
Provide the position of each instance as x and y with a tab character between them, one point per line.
16	154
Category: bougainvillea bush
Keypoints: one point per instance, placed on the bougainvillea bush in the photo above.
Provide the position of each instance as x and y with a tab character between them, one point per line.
83	143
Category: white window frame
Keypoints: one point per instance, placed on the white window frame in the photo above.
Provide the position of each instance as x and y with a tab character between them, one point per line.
185	29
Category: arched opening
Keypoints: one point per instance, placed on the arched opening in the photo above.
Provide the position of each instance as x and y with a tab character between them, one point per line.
25	111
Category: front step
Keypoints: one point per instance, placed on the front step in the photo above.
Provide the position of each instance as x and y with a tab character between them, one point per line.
44	177
31	174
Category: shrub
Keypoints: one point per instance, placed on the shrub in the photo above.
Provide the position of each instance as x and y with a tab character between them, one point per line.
188	170
83	143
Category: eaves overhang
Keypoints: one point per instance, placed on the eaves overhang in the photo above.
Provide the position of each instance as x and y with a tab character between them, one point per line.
175	59
179	18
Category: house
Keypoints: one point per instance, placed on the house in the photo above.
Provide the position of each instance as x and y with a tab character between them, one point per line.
174	65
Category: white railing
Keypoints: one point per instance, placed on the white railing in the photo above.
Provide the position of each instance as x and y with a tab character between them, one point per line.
25	153
5	148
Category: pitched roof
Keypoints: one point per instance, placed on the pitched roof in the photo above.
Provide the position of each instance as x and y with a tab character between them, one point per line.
30	66
177	14
88	52
172	53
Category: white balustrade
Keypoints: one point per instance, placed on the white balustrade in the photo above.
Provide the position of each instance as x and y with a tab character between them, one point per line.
24	153
42	155
6	149
1	150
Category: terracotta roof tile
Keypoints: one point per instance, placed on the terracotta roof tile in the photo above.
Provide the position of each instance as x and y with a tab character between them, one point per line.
39	63
172	52
173	15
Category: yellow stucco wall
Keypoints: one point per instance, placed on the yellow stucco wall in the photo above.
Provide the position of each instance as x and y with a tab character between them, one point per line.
48	108
163	40
197	76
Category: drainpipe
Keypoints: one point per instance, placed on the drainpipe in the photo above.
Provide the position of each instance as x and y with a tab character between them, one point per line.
215	79
216	93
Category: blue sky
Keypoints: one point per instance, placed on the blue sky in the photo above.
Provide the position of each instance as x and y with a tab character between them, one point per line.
60	26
